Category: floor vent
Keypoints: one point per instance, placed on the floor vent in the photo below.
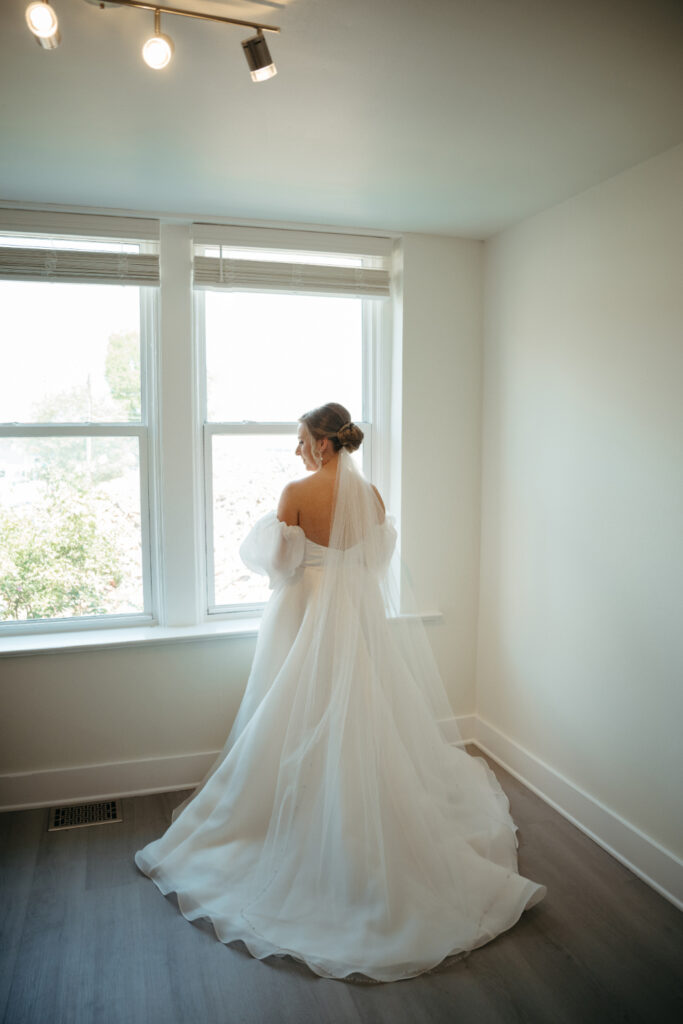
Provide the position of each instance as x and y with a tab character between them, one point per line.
81	815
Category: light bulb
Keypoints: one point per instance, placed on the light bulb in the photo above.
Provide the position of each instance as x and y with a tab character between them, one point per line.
263	74
157	51
42	21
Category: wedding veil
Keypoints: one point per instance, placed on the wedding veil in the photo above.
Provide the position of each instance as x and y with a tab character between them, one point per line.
362	565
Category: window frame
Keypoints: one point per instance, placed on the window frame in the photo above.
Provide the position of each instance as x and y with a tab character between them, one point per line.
373	317
148	323
173	495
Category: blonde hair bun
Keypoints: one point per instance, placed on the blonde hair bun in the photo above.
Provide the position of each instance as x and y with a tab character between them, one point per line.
350	436
333	421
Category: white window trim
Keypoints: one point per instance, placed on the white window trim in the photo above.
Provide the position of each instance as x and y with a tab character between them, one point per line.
376	329
92	227
176	579
374	355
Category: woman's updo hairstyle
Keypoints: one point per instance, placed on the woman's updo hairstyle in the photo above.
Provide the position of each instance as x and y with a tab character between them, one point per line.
334	422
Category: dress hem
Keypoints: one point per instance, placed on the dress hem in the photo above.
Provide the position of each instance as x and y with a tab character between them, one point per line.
534	893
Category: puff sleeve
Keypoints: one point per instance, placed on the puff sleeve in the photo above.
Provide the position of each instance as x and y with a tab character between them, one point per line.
273	549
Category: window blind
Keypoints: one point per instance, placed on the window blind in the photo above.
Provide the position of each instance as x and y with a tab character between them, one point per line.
78	264
291	261
17	264
261	276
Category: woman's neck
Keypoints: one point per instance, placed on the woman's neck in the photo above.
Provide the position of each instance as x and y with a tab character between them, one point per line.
330	464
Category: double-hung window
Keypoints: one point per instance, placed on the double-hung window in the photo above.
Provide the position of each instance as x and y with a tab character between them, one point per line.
135	452
285	321
77	311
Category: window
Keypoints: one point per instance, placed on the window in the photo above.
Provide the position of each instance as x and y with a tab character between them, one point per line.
152	379
76	317
280	329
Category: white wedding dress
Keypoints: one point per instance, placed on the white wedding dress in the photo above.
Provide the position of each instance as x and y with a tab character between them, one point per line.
338	826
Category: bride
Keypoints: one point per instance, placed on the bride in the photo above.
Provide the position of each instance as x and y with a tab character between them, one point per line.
337	825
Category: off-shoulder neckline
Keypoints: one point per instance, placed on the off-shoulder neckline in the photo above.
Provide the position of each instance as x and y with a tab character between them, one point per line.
325	547
295	526
314	543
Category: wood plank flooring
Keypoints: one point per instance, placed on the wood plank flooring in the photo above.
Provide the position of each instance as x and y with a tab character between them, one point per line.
86	939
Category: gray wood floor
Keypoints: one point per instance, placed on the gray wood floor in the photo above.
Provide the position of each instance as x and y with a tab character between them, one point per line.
86	939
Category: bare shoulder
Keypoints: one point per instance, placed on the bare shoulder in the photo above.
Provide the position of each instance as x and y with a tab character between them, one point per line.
290	503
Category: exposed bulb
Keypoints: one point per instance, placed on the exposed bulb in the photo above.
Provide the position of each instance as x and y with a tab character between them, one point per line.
263	74
157	51
42	21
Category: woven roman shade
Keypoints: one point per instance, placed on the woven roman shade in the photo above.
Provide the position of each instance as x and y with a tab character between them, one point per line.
66	255
304	263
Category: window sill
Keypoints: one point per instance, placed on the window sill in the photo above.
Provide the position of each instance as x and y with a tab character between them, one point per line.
134	636
141	636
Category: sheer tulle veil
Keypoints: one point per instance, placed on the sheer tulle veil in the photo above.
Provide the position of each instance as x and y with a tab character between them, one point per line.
361	540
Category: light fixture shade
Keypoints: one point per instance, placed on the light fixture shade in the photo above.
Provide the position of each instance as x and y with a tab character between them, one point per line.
42	21
157	51
260	62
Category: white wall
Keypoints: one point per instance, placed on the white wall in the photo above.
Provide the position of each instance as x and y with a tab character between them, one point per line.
441	413
112	707
580	652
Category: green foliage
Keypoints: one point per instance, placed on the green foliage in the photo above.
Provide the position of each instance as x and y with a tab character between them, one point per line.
122	371
56	562
62	553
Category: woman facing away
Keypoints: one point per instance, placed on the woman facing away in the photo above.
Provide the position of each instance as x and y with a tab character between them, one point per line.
337	825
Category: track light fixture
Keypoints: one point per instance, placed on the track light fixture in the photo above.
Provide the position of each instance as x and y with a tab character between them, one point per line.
158	49
258	57
42	21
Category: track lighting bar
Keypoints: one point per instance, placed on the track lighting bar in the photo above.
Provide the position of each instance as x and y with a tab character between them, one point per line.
158	50
193	14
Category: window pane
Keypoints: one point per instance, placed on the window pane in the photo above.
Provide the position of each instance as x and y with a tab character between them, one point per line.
319	259
248	476
274	357
70	524
70	352
71	244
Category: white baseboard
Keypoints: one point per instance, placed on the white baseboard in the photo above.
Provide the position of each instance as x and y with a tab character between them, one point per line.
85	783
90	782
651	862
655	865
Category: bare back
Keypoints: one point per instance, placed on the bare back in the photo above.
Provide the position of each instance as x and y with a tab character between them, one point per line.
309	503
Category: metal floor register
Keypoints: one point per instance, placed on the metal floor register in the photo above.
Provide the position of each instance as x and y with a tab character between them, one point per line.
80	815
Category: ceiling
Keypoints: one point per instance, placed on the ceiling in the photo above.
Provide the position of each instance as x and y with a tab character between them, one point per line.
456	117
